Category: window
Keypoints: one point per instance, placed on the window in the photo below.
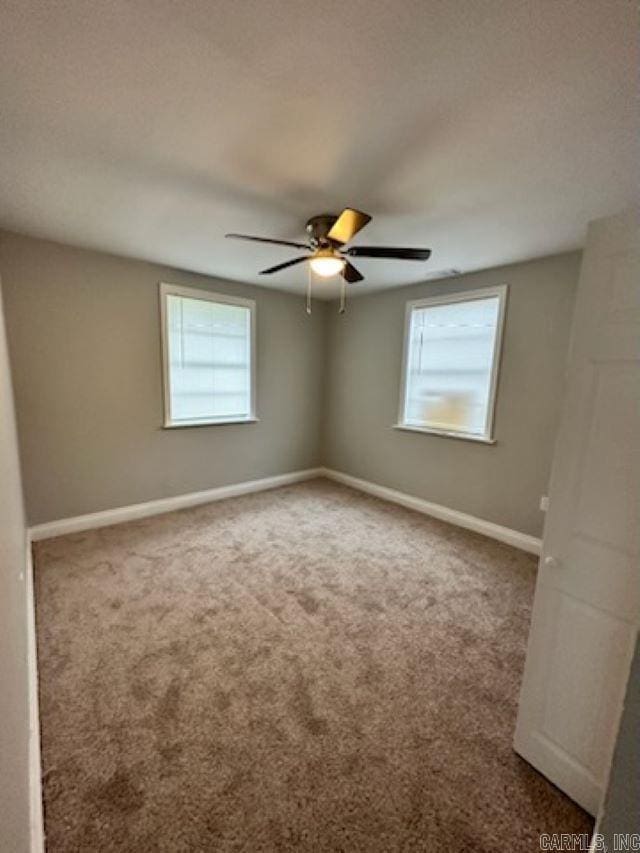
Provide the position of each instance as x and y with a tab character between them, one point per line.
450	367
208	355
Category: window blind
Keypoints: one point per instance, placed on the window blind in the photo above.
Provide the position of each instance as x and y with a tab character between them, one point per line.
449	365
209	359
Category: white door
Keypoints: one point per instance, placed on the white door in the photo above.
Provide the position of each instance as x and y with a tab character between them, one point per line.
587	604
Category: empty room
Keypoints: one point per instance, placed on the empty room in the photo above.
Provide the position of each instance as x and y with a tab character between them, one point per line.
319	426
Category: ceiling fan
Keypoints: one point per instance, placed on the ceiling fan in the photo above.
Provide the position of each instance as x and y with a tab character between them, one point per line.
327	238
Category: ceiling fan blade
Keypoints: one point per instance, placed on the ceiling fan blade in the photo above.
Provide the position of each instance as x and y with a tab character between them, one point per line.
268	240
283	266
347	225
350	273
388	252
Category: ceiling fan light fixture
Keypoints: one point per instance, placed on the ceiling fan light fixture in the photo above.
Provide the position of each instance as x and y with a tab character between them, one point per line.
326	263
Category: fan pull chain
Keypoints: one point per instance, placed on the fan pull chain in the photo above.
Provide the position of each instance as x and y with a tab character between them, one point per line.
309	289
343	297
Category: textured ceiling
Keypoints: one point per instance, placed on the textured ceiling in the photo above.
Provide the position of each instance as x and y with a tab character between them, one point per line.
490	131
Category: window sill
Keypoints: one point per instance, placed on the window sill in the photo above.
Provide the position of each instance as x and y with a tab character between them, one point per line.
219	422
443	433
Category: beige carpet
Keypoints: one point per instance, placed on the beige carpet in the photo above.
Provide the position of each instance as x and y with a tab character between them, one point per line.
305	669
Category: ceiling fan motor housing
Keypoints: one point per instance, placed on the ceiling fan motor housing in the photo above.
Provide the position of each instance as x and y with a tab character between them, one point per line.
318	227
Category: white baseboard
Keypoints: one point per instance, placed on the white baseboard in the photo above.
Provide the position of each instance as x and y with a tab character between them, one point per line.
36	820
107	517
495	531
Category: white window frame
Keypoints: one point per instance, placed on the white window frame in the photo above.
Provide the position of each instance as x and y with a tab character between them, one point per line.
463	296
206	295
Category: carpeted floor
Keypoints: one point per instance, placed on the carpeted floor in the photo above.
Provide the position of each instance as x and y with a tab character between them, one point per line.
305	669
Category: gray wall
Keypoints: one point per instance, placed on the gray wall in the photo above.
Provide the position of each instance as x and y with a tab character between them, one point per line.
502	482
84	341
14	719
621	812
85	351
